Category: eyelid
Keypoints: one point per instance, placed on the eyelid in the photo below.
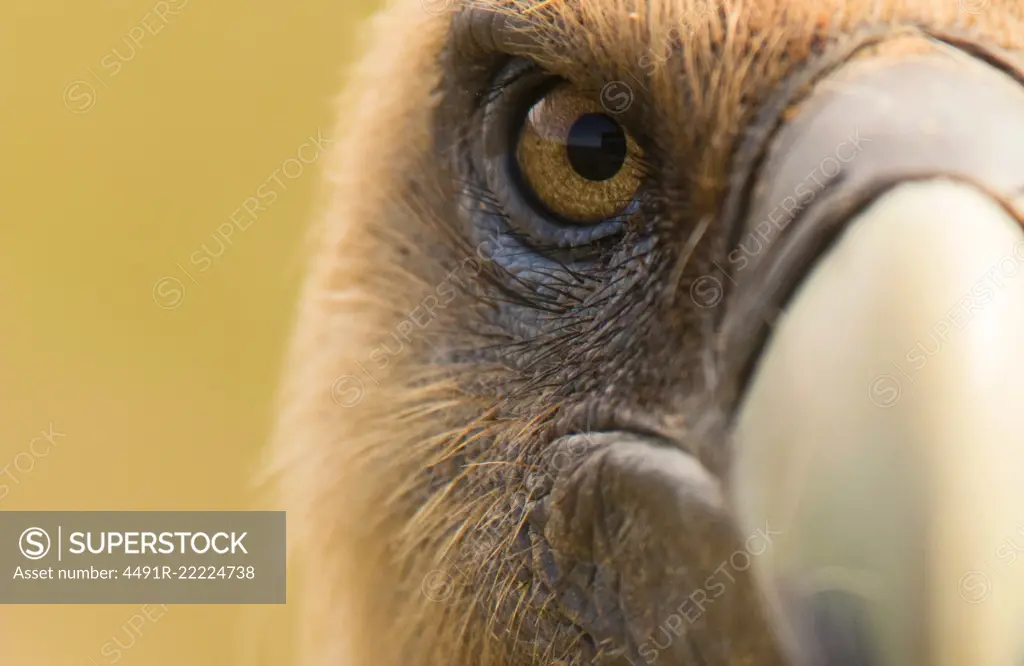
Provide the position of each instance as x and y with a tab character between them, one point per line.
509	74
480	31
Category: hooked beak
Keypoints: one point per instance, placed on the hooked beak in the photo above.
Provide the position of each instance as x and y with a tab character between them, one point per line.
880	334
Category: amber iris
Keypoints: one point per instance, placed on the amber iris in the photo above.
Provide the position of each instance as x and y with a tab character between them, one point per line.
579	162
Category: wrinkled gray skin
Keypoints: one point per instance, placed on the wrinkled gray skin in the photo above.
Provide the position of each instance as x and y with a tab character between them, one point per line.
609	362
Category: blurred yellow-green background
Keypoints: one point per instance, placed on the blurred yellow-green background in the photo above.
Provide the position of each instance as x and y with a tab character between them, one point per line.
130	130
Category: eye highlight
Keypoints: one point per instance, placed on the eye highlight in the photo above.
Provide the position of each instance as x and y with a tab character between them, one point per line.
578	162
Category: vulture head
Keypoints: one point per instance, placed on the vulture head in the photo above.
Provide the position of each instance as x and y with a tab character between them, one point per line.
682	332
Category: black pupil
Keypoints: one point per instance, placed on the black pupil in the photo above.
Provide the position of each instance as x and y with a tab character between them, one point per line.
596	146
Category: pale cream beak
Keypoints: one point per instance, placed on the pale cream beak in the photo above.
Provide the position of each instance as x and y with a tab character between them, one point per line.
882	434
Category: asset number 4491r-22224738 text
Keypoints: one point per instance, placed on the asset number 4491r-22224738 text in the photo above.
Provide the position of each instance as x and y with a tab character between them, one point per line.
208	572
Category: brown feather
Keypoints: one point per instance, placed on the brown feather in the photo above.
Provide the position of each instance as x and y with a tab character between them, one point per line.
385	491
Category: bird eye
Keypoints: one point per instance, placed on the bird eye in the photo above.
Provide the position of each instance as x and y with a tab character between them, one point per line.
578	162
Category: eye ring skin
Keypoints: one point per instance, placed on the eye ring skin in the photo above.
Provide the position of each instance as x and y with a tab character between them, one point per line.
502	118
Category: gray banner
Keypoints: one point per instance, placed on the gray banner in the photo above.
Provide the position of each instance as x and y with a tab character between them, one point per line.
151	557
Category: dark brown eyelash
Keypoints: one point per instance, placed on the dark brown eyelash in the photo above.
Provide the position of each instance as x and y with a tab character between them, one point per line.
509	74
